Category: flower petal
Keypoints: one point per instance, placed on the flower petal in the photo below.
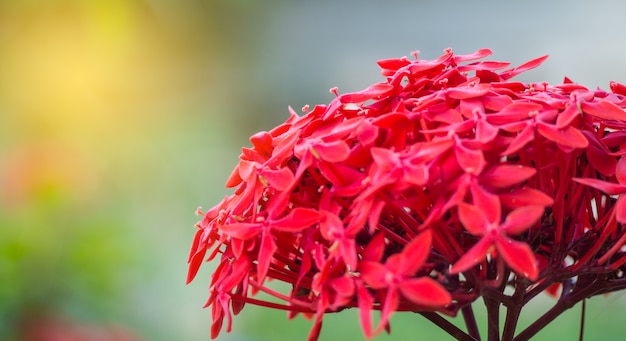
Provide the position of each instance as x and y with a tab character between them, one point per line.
508	74
473	256
569	136
521	219
280	179
518	256
618	88
525	196
606	187
336	151
415	253
482	53
375	248
505	175
374	274
604	110
599	155
463	92
194	263
392	300
620	171
371	92
425	291
297	220
514	112
523	138
471	160
244	231
366	303
567	116
473	219
266	253
620	209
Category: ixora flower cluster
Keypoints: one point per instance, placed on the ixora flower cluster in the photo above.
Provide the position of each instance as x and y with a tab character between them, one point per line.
444	184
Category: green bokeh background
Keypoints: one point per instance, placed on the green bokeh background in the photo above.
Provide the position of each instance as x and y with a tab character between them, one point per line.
118	118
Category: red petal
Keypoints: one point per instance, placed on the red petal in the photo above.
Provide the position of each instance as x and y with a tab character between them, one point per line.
620	170
347	250
511	85
501	176
384	158
392	300
514	112
486	65
518	256
473	219
521	219
496	102
415	253
366	302
194	263
606	187
266	253
524	137
524	197
372	92
508	74
248	170
471	161
433	148
463	92
620	209
487	202
280	179
425	292
375	248
393	63
374	274
567	116
196	242
485	132
569	136
421	66
482	53
234	179
297	220
599	155
237	272
262	142
244	231
618	88
284	148
604	109
336	151
473	256
416	174
367	133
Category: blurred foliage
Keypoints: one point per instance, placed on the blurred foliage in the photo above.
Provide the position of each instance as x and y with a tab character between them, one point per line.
109	138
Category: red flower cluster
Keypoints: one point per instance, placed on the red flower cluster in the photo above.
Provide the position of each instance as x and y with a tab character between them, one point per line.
443	184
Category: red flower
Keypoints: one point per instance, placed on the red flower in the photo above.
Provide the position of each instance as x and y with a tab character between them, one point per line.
397	276
444	184
484	220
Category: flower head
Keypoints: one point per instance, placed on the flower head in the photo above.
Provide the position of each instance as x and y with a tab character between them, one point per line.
423	192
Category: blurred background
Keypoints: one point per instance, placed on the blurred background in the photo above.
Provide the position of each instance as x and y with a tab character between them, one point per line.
118	118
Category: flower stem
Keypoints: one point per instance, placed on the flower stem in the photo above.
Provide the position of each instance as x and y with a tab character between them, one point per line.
448	327
513	312
493	319
470	321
